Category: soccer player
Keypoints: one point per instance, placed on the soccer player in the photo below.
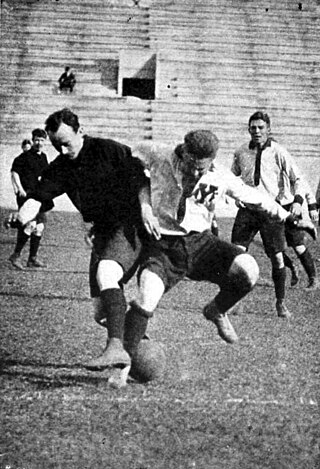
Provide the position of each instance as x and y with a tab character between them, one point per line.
103	180
295	240
26	171
270	168
185	183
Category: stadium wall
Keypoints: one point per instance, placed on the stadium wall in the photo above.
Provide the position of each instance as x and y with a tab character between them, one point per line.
204	63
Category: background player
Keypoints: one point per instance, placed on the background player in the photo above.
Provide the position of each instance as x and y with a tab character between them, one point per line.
269	167
26	171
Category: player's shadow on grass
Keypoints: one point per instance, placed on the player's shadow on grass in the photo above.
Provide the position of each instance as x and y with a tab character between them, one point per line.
58	375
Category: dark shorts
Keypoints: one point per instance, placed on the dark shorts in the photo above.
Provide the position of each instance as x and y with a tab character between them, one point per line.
199	256
294	237
248	223
123	246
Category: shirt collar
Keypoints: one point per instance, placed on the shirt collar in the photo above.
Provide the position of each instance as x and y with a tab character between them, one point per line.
253	145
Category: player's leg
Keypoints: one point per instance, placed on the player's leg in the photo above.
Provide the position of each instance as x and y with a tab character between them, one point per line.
309	266
163	267
112	262
22	239
273	238
290	265
151	289
228	266
35	241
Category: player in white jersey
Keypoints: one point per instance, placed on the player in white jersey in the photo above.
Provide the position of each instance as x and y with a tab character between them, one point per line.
185	184
270	168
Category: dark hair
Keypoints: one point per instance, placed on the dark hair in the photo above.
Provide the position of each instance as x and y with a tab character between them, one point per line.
260	115
39	133
26	141
201	143
65	116
67	69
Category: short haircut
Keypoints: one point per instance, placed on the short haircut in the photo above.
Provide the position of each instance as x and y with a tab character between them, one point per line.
25	142
260	115
65	116
39	133
201	144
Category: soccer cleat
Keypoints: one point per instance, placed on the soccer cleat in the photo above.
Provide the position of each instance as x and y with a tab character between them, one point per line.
119	376
221	320
282	310
16	262
114	355
35	263
313	285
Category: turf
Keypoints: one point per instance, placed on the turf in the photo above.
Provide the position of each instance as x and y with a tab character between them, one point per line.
250	405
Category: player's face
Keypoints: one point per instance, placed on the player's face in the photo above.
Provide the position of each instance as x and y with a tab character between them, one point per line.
38	143
194	167
66	141
259	131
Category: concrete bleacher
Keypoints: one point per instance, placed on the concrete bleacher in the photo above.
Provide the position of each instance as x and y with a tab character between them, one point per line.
216	63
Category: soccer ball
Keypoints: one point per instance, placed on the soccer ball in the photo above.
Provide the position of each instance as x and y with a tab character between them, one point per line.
149	361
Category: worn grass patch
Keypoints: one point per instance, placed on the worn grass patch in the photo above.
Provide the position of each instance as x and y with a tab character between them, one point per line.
252	405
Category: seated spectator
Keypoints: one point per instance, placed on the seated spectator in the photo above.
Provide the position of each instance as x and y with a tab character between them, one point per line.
67	80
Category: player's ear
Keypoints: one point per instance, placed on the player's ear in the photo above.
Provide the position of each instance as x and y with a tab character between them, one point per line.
80	130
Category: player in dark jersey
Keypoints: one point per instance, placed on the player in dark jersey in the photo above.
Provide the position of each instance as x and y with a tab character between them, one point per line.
26	172
103	180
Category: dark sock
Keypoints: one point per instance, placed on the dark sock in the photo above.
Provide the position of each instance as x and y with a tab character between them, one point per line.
136	324
308	264
114	305
22	240
34	246
288	262
279	280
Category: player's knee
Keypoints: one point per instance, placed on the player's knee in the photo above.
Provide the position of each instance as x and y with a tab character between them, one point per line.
109	274
135	308
39	229
245	270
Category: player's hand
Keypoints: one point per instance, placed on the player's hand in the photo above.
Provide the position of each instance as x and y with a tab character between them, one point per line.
240	204
151	223
296	209
22	193
12	221
314	216
205	193
88	238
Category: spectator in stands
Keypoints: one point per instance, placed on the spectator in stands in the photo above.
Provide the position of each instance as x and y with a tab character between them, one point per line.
26	171
265	164
67	80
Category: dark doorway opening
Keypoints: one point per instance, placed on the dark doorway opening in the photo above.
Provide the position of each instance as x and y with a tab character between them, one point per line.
143	88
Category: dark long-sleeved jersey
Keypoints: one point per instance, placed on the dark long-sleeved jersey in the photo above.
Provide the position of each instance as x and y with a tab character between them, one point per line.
103	182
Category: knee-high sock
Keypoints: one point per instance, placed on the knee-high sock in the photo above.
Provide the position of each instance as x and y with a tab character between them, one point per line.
136	324
308	264
279	280
232	289
22	240
114	306
288	262
34	246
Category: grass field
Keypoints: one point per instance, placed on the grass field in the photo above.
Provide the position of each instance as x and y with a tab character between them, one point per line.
247	406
